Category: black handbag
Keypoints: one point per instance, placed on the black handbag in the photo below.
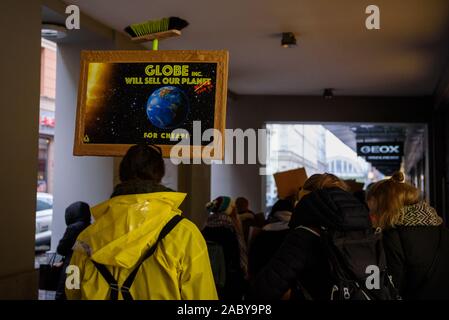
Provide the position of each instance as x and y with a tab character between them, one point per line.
49	275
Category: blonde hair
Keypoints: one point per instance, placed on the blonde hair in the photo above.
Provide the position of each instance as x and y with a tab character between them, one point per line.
324	181
320	181
389	196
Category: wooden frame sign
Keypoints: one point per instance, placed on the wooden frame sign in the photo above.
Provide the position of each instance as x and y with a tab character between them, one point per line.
131	97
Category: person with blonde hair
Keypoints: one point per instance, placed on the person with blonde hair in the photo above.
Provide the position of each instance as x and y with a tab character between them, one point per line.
416	242
319	181
324	180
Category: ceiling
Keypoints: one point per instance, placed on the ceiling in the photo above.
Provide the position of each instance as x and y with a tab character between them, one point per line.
353	133
49	16
404	58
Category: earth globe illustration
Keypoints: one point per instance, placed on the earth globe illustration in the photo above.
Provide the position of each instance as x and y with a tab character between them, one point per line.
167	107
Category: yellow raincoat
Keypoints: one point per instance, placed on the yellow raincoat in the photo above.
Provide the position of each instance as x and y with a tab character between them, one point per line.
125	228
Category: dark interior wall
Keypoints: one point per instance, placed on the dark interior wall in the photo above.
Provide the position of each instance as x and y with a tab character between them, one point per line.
445	197
439	142
439	161
338	109
19	110
254	111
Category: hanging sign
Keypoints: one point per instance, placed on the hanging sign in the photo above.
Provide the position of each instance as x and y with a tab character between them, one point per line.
131	97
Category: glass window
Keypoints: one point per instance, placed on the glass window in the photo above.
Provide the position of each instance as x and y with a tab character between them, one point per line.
313	147
338	167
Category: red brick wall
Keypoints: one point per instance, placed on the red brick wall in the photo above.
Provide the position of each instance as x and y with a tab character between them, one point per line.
48	73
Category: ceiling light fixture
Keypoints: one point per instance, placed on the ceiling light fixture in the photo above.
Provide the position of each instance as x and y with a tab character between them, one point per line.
288	40
328	93
51	31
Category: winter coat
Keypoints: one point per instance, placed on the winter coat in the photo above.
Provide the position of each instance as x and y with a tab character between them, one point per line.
221	229
263	248
301	257
235	281
268	241
417	252
125	227
248	220
77	218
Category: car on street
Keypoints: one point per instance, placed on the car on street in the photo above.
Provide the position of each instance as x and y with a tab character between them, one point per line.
44	215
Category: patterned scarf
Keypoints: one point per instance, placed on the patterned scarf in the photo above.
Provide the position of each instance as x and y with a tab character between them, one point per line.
420	214
222	220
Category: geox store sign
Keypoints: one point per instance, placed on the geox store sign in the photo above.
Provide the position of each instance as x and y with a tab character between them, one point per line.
381	151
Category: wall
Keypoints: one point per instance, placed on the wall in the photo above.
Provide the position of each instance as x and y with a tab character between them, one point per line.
254	111
89	179
86	179
195	180
439	161
19	111
48	72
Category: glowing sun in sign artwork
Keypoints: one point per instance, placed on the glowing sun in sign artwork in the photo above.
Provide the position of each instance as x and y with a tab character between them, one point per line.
97	78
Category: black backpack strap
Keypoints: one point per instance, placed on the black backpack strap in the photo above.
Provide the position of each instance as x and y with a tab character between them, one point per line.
129	281
113	285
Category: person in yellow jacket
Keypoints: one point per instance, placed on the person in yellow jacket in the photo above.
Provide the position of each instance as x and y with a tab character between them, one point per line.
127	225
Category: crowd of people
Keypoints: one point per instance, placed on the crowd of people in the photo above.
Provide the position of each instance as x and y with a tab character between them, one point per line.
321	243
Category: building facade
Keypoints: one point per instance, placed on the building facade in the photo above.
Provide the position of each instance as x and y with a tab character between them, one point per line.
47	117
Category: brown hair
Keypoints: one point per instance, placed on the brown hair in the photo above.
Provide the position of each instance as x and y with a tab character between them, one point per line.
324	181
242	204
389	196
142	162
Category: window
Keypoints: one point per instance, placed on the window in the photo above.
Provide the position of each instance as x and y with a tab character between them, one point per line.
338	167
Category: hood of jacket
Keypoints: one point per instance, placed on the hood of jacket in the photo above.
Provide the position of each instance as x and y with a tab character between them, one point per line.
331	208
126	226
77	212
137	186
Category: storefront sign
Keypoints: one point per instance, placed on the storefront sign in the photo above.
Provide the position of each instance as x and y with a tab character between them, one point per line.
383	151
47	122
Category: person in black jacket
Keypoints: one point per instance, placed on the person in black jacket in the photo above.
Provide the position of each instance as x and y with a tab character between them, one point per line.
415	240
77	218
223	228
323	202
246	216
268	241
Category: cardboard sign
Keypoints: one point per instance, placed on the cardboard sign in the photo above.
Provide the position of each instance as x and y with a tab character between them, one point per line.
130	97
289	182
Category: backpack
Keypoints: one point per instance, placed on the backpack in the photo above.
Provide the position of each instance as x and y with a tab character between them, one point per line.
217	263
125	287
357	265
